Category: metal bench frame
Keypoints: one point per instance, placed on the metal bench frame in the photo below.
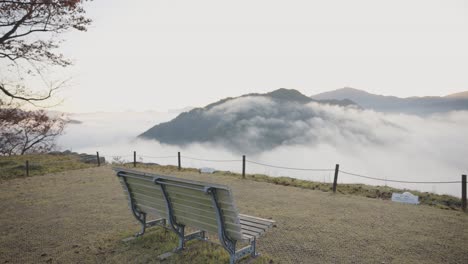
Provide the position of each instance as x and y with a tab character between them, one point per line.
226	242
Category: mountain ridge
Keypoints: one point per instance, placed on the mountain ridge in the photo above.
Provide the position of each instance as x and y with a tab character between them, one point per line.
256	122
410	105
458	95
230	117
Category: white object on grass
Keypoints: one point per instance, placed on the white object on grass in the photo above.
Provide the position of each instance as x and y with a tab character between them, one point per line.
405	197
207	170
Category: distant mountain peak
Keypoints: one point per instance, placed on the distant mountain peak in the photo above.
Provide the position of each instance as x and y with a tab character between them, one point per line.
460	95
285	95
288	95
347	88
412	105
342	93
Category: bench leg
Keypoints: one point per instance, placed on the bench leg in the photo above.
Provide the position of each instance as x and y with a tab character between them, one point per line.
180	231
176	227
228	244
248	250
141	217
185	238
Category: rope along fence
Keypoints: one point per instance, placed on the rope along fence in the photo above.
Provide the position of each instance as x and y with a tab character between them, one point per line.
286	168
244	161
336	171
399	181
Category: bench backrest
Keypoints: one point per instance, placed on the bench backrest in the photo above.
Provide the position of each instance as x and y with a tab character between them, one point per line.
191	204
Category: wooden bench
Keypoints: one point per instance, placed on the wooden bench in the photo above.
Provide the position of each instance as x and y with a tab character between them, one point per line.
178	203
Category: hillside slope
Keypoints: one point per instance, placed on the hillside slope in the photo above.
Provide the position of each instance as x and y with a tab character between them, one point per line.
267	119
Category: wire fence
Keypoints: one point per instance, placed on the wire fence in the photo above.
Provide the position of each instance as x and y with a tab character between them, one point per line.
211	160
336	171
399	181
178	158
133	159
286	168
160	157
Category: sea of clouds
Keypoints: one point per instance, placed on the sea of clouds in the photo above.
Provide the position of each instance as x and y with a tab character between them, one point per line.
386	146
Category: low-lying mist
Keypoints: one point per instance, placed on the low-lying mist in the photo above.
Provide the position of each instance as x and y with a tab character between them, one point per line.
386	146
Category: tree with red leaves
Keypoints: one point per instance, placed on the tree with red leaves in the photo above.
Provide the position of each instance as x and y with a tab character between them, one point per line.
24	132
29	31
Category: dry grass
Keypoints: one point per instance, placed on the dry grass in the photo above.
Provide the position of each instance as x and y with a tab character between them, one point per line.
39	164
81	216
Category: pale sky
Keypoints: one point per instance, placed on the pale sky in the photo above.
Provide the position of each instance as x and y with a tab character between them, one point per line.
168	54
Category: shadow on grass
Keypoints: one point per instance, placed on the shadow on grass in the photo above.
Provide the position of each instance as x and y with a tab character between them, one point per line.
157	241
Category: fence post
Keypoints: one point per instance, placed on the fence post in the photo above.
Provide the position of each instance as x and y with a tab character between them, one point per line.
98	159
27	168
464	193
178	159
335	180
134	158
243	166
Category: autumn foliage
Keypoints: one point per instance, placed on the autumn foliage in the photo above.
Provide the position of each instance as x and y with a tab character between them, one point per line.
24	132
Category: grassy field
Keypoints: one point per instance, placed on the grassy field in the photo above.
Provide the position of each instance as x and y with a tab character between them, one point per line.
39	164
39	225
81	216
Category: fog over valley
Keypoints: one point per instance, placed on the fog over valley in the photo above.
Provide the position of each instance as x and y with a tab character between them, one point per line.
288	133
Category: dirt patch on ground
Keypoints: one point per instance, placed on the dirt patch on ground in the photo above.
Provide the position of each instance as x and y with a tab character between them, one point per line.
81	216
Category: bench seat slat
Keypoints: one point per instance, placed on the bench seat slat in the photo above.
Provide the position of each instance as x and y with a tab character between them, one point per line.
247	236
248	232
257	225
258	220
252	229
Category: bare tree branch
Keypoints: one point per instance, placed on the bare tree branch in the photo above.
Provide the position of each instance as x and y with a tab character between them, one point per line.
5	91
21	19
